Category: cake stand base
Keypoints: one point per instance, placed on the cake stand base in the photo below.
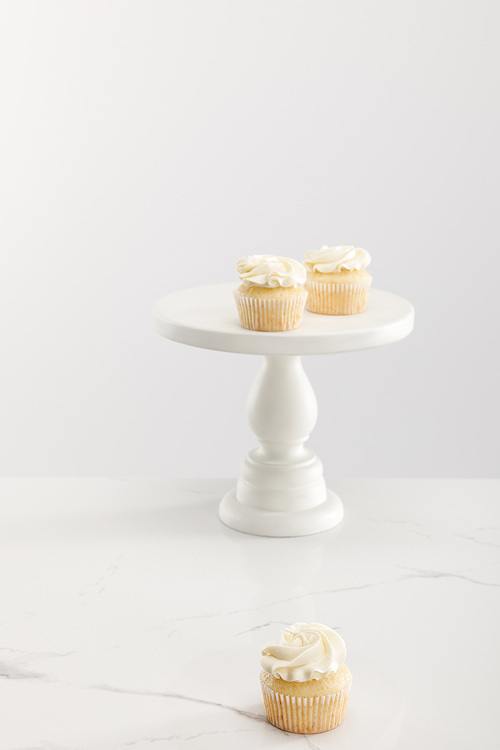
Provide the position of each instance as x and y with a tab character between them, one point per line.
261	522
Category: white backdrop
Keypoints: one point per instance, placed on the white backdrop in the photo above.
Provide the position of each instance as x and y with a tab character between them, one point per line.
146	145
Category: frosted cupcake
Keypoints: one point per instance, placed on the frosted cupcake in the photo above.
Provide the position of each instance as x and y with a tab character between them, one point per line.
271	296
337	280
305	683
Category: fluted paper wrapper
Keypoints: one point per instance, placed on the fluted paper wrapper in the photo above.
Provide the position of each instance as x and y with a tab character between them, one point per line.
270	314
337	299
306	715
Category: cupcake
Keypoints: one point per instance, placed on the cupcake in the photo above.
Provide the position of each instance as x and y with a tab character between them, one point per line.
337	280
271	296
305	683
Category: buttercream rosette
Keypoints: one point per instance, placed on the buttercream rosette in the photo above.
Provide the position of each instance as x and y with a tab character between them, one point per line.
337	280
271	295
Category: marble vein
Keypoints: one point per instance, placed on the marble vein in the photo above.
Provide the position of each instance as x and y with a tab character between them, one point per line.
180	696
259	627
310	744
416	573
42	654
488	528
100	585
471	538
14	669
173	737
18	673
210	615
427	535
10	672
390	520
157	482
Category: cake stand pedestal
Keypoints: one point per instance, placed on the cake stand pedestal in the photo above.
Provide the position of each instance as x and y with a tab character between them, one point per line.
281	490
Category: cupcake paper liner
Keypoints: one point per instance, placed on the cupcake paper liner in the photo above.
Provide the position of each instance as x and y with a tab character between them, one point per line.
307	715
337	299
270	314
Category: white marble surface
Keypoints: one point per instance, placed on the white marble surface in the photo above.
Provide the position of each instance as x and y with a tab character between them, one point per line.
131	618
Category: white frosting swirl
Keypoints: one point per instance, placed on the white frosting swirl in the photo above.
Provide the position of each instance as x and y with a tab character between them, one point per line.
271	271
336	259
305	652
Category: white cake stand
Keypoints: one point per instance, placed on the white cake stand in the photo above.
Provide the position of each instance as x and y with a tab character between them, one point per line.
281	490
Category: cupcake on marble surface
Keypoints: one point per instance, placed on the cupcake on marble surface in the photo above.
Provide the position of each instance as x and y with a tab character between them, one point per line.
337	280
305	683
271	296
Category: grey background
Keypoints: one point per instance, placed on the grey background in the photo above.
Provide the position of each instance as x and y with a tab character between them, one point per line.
145	146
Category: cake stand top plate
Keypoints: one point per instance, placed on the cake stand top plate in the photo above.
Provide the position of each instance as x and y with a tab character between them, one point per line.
206	317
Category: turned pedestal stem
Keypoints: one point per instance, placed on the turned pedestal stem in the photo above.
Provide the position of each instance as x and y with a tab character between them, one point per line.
281	490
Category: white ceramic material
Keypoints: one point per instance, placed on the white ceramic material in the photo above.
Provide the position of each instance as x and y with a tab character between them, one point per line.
132	619
281	490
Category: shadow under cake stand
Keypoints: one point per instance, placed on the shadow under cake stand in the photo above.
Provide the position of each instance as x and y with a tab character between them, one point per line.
281	490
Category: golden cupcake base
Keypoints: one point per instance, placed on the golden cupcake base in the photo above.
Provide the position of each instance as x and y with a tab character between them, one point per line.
292	710
270	313
337	299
